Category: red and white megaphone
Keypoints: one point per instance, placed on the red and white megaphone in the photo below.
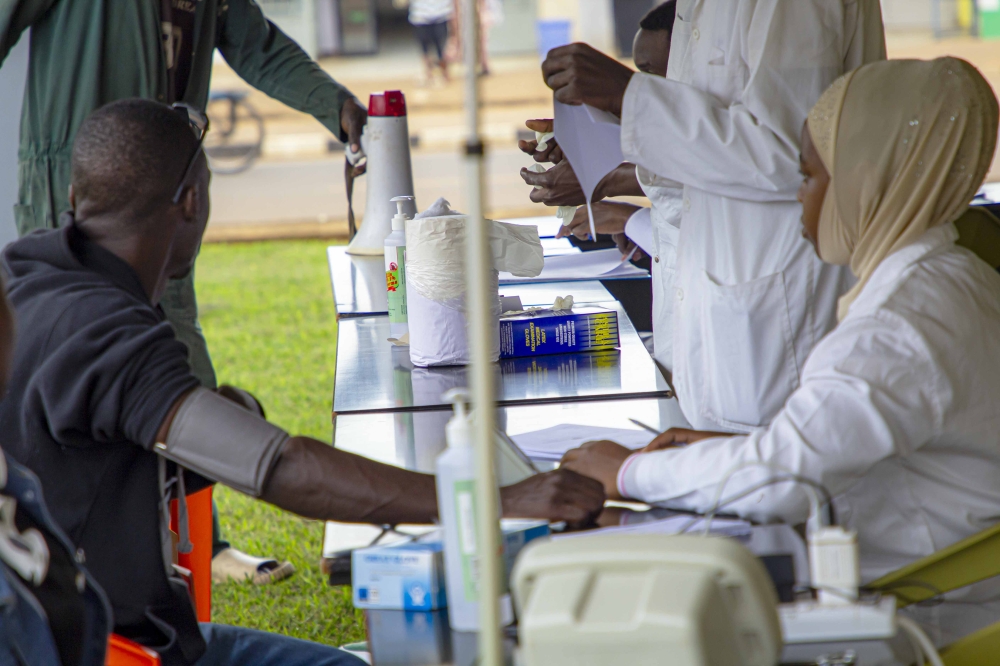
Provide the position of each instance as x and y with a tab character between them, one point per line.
386	143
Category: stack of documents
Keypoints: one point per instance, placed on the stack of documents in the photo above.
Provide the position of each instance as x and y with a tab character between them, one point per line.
681	523
550	444
596	265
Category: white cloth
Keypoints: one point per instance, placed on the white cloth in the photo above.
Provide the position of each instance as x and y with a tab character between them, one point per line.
751	297
897	416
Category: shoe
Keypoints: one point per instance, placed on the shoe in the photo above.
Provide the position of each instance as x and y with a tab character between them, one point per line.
234	565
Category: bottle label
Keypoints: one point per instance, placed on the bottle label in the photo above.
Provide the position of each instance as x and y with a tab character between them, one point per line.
465	518
395	285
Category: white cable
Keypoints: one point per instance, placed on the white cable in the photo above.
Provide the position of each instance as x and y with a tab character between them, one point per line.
816	518
914	631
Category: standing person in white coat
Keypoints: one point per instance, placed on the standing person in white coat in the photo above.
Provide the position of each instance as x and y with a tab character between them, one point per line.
897	414
751	298
657	225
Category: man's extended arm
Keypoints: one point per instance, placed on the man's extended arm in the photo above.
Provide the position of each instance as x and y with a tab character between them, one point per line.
315	480
270	61
16	16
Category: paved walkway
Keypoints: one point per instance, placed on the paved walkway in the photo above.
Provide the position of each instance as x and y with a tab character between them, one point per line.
296	189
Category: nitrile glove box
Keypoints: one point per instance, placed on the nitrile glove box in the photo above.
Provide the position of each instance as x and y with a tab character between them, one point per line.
410	576
407	576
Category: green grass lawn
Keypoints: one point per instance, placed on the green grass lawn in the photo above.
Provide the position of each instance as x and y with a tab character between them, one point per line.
268	316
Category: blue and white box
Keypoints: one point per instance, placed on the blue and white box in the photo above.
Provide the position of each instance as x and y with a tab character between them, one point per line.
408	576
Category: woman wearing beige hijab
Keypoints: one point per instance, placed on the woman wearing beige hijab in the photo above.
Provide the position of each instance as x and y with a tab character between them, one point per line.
898	413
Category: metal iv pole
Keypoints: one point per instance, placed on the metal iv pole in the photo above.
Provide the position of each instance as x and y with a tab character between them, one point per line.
479	263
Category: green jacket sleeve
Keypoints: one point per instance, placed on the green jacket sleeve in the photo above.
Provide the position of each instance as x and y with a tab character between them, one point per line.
16	16
270	61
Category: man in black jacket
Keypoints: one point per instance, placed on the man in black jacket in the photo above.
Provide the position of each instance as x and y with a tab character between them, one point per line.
104	408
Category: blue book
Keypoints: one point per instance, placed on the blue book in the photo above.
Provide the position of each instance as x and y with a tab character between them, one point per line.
537	332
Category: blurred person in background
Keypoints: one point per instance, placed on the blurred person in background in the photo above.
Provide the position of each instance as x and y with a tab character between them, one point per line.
87	53
430	19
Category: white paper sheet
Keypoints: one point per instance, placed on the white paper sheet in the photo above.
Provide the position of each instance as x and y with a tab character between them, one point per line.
639	229
599	264
694	525
591	140
551	443
552	247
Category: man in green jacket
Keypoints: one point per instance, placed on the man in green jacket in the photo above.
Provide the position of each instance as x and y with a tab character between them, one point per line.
87	53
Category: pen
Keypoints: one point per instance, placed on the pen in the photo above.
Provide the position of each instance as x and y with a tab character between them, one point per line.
645	427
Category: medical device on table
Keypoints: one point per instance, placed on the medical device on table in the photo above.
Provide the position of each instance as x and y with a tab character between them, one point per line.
386	143
634	598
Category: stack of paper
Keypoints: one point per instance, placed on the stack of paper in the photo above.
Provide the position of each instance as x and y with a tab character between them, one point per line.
681	523
550	444
555	246
596	265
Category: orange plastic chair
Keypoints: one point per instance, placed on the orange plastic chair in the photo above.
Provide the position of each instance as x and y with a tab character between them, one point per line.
199	560
123	652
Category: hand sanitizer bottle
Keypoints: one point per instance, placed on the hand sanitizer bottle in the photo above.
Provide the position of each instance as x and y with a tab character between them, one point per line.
456	491
395	269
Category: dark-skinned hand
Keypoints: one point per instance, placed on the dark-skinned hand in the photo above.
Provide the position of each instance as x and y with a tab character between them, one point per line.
609	218
556	187
599	460
242	398
676	437
627	247
580	74
353	117
559	495
552	153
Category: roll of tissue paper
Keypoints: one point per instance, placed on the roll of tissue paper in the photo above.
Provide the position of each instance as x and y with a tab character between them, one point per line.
435	280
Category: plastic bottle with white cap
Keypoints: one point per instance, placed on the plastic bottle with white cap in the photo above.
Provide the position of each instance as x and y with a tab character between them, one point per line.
395	268
456	491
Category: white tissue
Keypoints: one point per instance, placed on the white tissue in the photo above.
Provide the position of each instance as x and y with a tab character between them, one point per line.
543	140
353	157
435	279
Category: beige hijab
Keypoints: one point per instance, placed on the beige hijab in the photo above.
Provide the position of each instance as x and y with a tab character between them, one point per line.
907	144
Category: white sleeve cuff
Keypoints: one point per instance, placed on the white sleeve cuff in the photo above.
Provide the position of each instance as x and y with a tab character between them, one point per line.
639	229
631	122
626	477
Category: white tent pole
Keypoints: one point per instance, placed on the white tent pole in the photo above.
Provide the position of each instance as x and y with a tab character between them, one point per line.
478	300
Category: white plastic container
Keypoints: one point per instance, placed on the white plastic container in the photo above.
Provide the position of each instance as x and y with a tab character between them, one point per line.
456	491
395	268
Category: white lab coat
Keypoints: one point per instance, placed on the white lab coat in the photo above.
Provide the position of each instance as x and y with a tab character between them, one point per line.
898	416
659	227
751	298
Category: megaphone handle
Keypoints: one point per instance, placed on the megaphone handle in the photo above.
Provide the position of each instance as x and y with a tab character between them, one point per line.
350	173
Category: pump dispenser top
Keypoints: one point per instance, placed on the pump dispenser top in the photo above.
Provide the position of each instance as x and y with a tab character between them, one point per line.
403	203
458	432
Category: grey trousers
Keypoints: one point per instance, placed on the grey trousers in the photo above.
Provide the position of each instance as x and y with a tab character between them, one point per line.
181	307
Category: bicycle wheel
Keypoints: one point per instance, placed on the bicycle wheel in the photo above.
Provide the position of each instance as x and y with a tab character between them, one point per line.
236	136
